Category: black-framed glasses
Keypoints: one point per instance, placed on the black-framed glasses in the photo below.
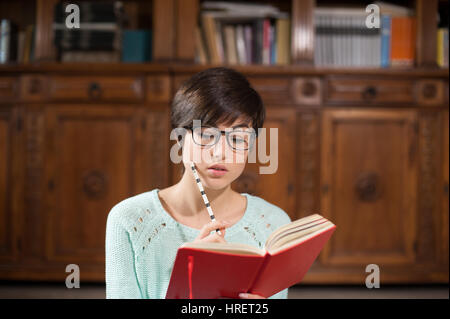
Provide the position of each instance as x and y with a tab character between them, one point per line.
238	139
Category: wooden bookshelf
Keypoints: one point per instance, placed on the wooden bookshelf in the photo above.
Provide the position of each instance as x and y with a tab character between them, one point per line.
54	175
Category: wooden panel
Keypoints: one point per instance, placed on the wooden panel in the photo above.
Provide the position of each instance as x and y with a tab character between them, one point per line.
164	36
308	162
8	88
346	90
92	153
429	196
97	157
87	88
45	50
33	88
445	201
369	186
307	90
273	90
186	21
158	88
7	222
426	15
253	182
302	32
430	92
32	226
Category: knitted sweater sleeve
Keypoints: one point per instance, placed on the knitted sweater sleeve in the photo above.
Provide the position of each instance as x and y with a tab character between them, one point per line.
120	273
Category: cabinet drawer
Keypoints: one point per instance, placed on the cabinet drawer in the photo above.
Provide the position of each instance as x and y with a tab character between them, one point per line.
95	88
8	88
352	90
273	90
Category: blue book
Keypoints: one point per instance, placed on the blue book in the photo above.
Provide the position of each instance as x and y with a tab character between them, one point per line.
136	45
273	44
385	41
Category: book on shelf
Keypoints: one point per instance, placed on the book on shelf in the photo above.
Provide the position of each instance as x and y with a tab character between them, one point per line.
16	45
403	41
442	47
344	40
100	32
259	33
213	270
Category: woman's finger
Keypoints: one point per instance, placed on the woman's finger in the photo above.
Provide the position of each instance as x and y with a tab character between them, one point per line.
213	225
250	296
214	238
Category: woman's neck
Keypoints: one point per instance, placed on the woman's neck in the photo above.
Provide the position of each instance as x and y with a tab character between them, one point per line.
188	197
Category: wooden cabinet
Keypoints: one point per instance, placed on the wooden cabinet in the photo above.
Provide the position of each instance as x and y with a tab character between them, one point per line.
69	158
377	168
444	191
368	186
9	172
96	157
91	153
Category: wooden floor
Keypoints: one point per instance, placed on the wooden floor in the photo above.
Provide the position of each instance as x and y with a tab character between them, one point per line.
21	290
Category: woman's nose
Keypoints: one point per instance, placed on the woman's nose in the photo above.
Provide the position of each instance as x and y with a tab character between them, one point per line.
219	147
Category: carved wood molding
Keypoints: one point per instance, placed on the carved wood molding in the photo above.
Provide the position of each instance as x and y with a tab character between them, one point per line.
157	123
428	210
34	175
308	162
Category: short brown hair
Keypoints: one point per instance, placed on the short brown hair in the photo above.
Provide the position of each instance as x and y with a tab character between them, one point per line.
214	96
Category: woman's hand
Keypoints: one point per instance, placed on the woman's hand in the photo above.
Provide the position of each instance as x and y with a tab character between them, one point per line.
205	236
250	296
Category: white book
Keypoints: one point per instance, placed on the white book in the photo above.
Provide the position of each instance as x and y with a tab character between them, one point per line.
240	7
393	9
240	45
230	44
96	26
328	42
317	43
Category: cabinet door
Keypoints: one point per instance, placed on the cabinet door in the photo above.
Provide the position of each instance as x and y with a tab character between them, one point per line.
278	187
96	156
368	184
9	183
444	240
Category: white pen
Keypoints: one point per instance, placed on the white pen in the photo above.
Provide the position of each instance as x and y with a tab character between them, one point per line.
202	191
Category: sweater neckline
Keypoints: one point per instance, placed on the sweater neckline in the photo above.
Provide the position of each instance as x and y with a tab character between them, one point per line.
195	231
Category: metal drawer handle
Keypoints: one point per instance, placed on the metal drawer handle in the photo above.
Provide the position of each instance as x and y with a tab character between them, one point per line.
369	93
94	90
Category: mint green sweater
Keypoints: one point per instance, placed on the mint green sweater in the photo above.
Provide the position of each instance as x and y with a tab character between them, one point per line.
142	241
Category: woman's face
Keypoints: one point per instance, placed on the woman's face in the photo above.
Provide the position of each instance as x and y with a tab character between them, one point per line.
221	154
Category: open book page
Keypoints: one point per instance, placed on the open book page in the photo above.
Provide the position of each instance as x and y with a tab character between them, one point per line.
282	238
295	232
293	239
232	248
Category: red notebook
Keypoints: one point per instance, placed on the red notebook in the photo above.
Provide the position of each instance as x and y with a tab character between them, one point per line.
215	270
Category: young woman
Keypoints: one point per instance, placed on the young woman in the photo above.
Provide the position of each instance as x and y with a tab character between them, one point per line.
144	232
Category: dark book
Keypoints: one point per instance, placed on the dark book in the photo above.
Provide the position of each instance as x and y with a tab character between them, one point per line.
89	12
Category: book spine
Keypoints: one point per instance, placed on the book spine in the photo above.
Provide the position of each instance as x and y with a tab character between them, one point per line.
440	48
248	43
266	41
5	31
240	44
258	43
385	41
282	39
445	40
209	27
273	41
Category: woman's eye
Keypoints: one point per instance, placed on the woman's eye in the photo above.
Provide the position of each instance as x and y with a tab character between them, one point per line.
239	140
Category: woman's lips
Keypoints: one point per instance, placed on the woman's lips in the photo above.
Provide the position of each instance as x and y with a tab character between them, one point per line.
216	172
